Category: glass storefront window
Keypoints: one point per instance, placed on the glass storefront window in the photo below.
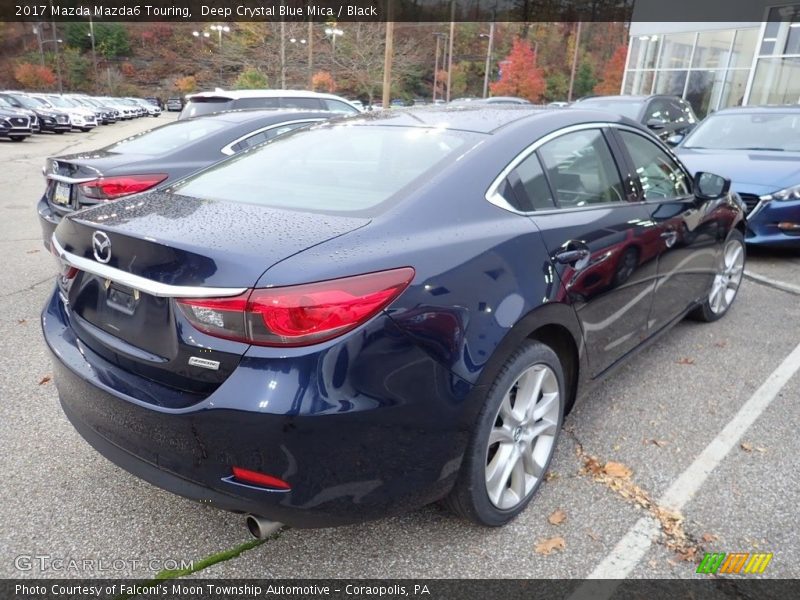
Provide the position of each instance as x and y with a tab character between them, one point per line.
713	48
744	46
639	83
704	90
776	81
676	51
644	51
670	82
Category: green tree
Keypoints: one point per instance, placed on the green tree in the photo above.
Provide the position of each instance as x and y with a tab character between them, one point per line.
557	87
76	69
250	79
111	40
584	80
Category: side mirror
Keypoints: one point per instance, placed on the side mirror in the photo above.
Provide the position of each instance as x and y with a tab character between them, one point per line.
708	186
675	139
655	124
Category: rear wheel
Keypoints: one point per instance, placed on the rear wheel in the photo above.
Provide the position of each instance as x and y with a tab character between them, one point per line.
727	279
514	440
18	138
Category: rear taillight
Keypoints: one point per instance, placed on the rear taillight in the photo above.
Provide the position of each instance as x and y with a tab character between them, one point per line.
109	188
298	315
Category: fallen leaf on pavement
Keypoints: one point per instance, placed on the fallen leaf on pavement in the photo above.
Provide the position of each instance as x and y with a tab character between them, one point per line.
550	476
558	517
45	379
686	361
549	545
709	537
31	252
593	535
615	469
21	321
746	447
659	443
720	344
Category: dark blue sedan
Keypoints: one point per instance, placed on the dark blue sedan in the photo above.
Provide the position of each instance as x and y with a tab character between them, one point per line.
758	148
363	317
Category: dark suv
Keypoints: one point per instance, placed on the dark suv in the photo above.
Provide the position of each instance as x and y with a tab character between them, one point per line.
665	116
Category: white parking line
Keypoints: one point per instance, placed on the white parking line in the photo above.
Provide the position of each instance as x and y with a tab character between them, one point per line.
630	550
775	283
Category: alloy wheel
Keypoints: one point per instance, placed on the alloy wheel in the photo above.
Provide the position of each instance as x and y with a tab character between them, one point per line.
522	439
728	277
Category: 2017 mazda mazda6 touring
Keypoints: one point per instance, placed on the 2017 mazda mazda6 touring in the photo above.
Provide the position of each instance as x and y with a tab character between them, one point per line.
363	317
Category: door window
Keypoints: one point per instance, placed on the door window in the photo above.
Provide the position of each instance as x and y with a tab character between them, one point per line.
659	175
582	170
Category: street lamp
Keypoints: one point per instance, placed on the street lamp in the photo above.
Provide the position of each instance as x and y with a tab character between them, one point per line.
219	29
333	33
488	66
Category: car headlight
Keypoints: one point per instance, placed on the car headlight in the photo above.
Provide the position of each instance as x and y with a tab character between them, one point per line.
790	193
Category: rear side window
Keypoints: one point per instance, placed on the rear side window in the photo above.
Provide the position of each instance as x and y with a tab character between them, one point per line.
341	168
582	170
338	106
257	103
532	189
304	103
659	175
264	136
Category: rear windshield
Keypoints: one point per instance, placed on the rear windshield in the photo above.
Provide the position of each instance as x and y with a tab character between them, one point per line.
168	138
330	168
205	106
766	130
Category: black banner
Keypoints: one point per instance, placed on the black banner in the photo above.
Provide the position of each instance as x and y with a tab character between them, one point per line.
705	587
386	10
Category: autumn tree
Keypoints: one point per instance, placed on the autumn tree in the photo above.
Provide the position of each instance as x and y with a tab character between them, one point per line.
36	77
611	82
322	81
520	76
251	79
186	84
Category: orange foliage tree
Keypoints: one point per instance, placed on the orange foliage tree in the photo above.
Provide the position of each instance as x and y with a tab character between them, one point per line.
187	84
322	81
611	82
520	75
34	76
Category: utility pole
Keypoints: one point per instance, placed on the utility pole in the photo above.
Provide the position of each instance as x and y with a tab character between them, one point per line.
94	53
310	55
488	59
574	61
58	54
388	56
283	54
450	53
37	29
436	65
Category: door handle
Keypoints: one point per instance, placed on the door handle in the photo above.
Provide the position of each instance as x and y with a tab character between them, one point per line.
670	237
568	257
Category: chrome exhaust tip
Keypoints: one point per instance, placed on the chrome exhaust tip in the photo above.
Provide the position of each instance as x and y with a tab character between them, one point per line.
261	528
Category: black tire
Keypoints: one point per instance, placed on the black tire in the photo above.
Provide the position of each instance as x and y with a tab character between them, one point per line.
18	138
469	497
706	312
60	131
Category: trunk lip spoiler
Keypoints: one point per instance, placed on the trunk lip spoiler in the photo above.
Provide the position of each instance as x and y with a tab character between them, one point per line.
148	286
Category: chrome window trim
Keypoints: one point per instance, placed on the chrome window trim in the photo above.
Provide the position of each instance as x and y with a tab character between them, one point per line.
148	286
228	149
70	180
493	195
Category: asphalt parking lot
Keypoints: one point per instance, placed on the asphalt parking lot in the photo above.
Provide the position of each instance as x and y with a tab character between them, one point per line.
720	382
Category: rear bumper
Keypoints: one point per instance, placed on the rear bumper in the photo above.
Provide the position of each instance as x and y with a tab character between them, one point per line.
349	456
48	221
767	224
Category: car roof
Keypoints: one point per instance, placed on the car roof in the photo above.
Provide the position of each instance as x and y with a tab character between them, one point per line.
236	94
760	108
256	114
474	117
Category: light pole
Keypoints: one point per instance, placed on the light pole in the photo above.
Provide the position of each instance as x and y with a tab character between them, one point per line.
94	53
37	30
202	36
220	29
333	33
450	50
295	41
56	42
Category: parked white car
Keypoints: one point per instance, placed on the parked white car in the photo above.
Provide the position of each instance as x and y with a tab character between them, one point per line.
80	117
205	103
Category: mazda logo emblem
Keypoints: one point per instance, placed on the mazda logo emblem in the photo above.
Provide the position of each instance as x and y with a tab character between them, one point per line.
101	246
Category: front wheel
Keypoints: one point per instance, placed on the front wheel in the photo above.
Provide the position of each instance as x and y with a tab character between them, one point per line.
728	277
18	138
514	439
